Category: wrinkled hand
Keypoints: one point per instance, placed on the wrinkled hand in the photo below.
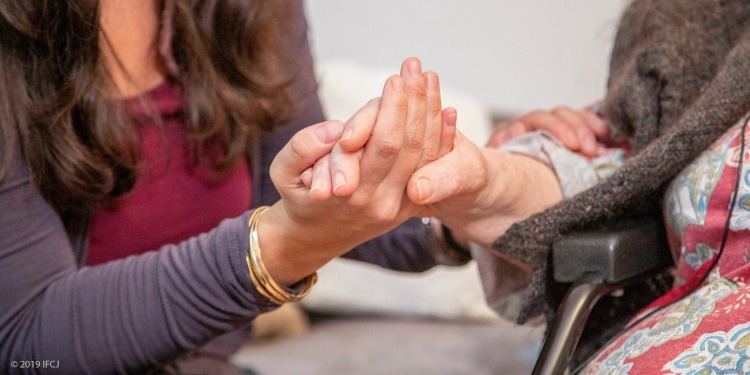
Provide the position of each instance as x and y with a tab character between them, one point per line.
480	193
578	130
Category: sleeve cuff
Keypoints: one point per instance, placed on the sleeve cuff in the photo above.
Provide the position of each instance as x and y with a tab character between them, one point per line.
575	172
445	251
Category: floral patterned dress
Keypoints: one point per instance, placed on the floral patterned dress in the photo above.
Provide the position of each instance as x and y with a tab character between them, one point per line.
707	331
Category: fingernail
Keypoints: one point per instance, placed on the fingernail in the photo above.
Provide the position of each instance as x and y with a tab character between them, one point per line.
397	83
432	83
305	174
329	131
347	133
452	120
414	68
339	180
424	189
312	189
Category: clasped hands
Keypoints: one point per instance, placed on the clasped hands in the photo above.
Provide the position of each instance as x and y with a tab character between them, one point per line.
399	156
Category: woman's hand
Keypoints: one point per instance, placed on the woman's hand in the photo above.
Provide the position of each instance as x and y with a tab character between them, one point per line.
578	130
299	234
338	174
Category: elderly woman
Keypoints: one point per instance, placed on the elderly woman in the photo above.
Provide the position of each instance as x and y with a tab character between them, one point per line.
678	104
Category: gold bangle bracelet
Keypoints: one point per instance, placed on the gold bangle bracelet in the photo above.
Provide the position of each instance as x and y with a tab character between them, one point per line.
260	277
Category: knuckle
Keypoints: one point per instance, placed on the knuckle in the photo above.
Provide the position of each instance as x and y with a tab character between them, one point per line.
533	114
508	125
358	202
387	148
521	125
379	212
400	104
386	213
558	123
413	143
433	106
419	92
429	155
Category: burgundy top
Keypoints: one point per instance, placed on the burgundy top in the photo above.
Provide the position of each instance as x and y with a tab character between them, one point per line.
173	199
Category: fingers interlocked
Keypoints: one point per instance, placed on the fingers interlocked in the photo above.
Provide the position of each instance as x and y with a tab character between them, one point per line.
387	139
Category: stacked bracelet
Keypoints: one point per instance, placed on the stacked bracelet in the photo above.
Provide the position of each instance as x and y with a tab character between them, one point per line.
260	276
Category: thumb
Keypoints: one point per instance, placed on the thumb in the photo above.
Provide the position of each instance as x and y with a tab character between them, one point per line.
304	149
457	173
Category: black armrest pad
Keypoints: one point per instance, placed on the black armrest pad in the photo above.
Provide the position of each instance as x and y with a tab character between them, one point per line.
618	252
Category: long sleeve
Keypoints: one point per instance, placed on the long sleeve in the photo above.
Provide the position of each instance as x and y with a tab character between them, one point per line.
122	316
411	247
575	173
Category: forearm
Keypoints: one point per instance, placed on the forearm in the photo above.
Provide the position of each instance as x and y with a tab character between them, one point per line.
124	316
528	186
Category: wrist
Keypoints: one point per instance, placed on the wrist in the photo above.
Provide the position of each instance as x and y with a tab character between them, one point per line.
478	215
516	187
264	283
289	251
500	190
524	185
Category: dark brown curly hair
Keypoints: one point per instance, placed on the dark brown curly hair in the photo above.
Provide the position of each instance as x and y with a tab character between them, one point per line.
227	56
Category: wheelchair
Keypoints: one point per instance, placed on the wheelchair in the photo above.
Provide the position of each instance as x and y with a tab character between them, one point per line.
597	263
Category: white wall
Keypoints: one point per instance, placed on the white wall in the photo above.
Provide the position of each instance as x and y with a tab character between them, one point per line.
513	55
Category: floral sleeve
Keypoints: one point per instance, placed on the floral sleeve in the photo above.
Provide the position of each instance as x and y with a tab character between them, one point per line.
575	172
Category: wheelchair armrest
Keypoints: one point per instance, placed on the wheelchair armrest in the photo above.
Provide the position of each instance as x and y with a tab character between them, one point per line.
597	261
616	253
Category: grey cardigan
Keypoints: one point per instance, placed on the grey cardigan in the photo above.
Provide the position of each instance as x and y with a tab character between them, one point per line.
138	313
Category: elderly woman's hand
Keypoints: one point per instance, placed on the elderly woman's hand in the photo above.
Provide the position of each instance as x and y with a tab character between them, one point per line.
401	131
578	130
480	193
